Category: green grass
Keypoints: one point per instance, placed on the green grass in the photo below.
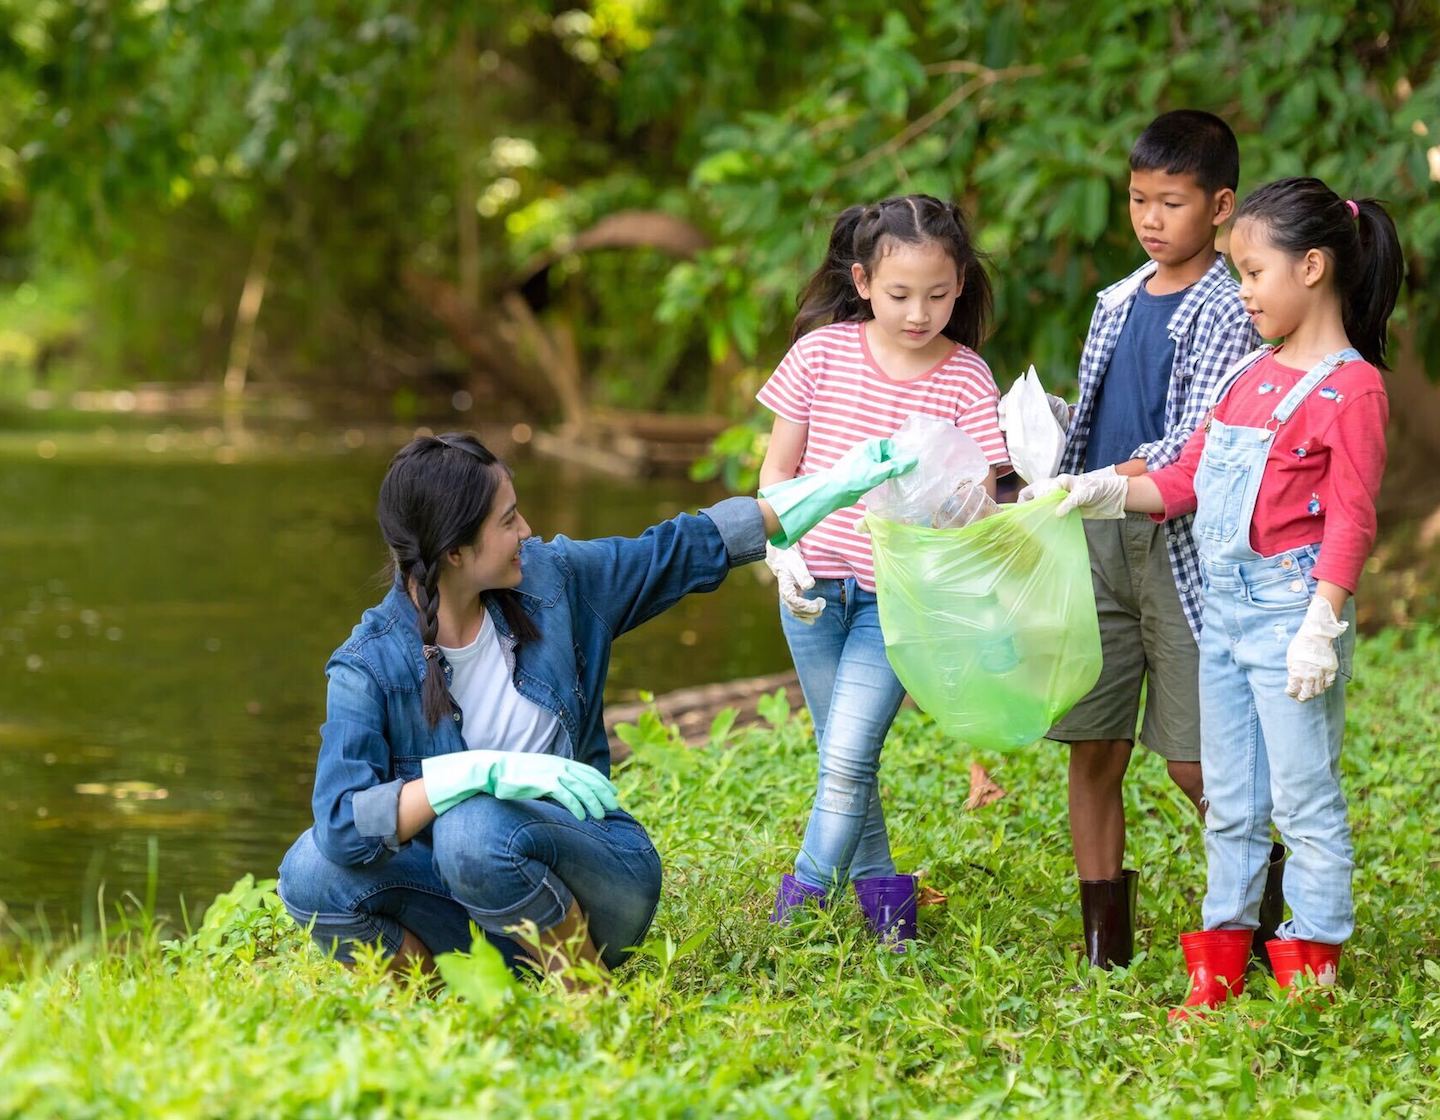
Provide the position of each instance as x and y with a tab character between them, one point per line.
721	1014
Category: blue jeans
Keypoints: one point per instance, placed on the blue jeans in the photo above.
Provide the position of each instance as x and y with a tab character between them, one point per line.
853	695
1268	757
496	863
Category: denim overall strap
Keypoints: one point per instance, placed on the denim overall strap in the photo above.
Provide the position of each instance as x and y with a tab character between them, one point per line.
1232	465
1306	385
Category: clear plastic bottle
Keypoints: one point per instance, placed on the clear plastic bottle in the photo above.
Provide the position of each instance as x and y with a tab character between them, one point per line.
998	654
968	503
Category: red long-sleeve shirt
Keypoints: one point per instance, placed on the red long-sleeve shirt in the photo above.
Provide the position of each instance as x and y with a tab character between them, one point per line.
1323	470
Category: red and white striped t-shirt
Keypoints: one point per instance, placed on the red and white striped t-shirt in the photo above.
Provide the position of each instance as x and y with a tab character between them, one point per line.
830	382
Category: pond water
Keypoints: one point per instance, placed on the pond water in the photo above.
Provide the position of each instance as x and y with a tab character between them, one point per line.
166	612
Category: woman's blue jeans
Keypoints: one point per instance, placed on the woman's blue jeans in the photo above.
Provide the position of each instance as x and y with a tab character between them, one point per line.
853	695
496	863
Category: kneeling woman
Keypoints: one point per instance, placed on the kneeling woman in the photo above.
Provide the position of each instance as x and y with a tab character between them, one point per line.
463	767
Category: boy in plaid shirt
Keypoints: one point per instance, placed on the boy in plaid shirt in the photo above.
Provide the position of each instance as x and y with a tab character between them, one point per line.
1160	344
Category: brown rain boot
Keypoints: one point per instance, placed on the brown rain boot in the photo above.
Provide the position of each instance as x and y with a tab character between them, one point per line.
1107	910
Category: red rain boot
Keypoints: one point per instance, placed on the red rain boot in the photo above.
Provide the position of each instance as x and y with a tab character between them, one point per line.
1287	960
1324	961
1296	958
1216	959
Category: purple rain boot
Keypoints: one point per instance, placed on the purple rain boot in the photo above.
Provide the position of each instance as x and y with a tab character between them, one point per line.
792	895
888	903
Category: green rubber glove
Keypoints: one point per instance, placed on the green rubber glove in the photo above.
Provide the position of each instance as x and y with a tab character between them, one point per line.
514	776
802	503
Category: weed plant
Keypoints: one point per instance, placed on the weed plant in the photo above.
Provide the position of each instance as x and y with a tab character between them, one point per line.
720	1013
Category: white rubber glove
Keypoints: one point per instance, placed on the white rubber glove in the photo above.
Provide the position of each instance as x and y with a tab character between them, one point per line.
1061	409
1098	495
1311	660
1040	487
794	578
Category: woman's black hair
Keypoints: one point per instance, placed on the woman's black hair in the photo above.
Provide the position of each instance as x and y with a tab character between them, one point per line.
436	495
862	234
1358	237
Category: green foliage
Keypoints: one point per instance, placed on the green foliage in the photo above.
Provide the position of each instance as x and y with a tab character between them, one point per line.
1027	112
720	1013
246	921
151	147
479	977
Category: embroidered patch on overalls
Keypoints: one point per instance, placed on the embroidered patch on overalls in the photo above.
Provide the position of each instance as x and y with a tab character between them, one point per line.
1267	387
1330	393
1313	507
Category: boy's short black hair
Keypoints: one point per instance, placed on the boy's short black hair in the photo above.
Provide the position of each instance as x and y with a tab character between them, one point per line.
1190	142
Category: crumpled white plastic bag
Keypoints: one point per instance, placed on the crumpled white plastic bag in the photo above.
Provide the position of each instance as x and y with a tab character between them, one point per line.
947	457
1033	433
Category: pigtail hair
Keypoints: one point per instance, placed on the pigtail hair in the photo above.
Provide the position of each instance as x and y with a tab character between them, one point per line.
829	296
1374	280
859	237
970	321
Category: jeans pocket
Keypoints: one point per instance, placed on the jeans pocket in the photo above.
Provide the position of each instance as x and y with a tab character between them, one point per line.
1289	594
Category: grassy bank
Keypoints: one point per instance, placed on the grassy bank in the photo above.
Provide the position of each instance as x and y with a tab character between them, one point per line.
722	1014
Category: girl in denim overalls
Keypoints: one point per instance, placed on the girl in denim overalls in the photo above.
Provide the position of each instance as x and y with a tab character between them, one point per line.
1283	480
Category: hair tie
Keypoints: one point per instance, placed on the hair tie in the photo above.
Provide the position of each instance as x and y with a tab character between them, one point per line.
431	652
1354	208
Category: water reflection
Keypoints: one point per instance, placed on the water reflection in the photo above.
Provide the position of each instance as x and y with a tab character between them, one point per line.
163	628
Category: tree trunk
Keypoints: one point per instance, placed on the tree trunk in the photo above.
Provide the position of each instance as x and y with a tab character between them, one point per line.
252	295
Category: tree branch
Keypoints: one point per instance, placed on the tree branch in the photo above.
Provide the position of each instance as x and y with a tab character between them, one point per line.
984	77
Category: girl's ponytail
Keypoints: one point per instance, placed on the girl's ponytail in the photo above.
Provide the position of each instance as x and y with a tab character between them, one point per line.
1360	239
1375	279
829	296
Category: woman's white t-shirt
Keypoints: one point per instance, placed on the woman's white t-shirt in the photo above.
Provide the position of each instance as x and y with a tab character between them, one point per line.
497	718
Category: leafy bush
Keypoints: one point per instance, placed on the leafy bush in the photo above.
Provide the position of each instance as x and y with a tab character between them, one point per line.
721	1014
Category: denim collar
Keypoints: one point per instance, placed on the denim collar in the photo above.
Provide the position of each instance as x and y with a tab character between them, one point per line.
543	582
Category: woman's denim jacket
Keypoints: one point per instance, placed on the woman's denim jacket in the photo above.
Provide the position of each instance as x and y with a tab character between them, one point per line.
581	594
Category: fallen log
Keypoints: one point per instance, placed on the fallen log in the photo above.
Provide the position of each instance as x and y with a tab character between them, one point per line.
694	709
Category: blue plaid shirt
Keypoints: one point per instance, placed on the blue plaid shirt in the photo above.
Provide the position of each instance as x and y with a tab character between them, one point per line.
1212	334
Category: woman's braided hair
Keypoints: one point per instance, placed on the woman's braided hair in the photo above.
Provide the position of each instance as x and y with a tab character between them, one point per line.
435	497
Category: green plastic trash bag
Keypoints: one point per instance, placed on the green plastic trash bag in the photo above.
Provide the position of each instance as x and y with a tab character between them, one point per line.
991	627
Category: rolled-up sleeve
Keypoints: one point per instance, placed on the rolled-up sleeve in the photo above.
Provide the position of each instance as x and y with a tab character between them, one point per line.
742	528
356	803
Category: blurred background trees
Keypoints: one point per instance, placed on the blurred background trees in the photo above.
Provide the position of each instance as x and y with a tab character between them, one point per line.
550	209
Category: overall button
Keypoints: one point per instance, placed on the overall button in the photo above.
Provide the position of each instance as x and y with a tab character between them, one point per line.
1287	563
1297	585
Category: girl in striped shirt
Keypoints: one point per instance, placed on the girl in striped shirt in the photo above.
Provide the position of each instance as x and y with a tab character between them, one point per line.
887	328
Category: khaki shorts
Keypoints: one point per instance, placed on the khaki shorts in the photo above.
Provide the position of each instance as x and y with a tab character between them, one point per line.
1144	641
